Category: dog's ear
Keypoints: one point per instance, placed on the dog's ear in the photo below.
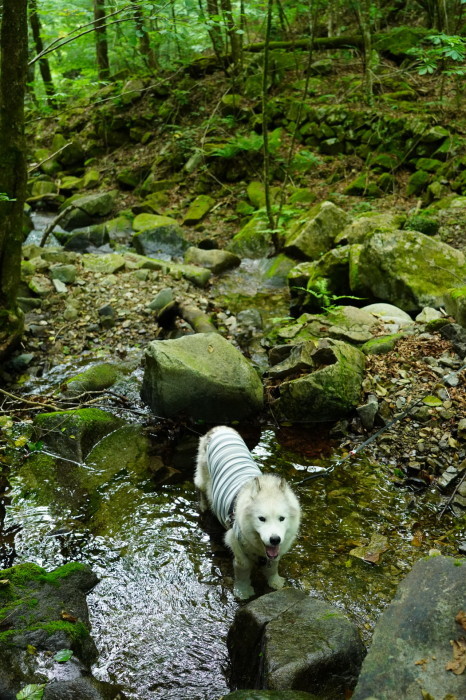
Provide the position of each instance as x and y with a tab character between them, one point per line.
283	484
257	484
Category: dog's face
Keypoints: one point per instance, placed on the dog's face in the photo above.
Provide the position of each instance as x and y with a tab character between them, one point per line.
271	516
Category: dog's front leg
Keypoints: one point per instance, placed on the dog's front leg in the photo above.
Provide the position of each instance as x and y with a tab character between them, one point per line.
241	566
271	574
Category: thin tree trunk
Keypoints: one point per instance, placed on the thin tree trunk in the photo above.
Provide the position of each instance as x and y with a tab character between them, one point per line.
265	133
13	72
227	10
103	65
214	30
144	41
44	65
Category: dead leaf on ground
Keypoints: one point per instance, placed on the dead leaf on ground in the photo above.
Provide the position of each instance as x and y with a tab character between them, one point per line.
458	665
461	619
68	617
371	552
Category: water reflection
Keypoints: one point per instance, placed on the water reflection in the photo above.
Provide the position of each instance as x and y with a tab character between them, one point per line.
162	609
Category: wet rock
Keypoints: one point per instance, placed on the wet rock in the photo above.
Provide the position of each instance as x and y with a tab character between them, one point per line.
368	412
85	238
44	613
287	640
328	392
72	434
408	269
96	378
201	376
411	646
315	234
217	261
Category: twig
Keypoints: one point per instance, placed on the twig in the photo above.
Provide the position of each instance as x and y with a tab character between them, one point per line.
37	165
448	503
29	403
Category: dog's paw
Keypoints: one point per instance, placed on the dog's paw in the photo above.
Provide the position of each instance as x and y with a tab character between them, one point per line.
243	592
276	582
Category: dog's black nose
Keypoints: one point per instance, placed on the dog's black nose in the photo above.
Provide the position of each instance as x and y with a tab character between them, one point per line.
274	540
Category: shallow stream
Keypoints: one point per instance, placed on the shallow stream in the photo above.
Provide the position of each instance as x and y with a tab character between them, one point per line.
162	609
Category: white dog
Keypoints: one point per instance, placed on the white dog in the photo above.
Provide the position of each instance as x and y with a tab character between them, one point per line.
259	511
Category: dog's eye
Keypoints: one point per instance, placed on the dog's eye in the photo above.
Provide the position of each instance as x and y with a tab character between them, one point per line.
281	518
261	518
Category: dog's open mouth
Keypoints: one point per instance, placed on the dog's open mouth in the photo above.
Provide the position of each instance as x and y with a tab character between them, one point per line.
272	552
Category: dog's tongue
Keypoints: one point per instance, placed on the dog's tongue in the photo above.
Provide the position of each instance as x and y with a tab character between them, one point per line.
272	552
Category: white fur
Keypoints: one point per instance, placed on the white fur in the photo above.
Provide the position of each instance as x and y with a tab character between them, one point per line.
266	509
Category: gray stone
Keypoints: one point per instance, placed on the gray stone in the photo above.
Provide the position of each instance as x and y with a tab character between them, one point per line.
201	376
217	261
254	240
165	241
64	273
411	646
86	210
289	641
428	314
164	297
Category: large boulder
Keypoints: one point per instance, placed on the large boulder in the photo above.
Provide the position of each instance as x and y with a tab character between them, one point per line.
418	636
289	641
318	384
315	234
201	376
409	269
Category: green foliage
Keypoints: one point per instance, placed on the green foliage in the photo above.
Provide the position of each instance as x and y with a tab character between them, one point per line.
63	655
445	55
249	143
318	288
34	691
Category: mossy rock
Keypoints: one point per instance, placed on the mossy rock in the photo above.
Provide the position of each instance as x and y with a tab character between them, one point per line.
72	434
423	224
254	240
397	41
96	378
198	209
146	222
328	393
105	264
362	186
455	304
269	695
256	194
382	344
418	182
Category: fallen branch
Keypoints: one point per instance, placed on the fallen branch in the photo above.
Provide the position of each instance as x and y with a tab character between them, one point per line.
29	403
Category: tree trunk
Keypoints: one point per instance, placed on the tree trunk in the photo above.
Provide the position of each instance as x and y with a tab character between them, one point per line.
214	28
103	65
44	66
144	42
13	71
228	18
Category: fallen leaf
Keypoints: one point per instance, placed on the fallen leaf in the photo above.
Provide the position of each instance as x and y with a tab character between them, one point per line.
371	552
432	401
460	618
66	616
458	665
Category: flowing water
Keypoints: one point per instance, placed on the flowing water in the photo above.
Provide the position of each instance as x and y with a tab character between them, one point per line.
162	609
